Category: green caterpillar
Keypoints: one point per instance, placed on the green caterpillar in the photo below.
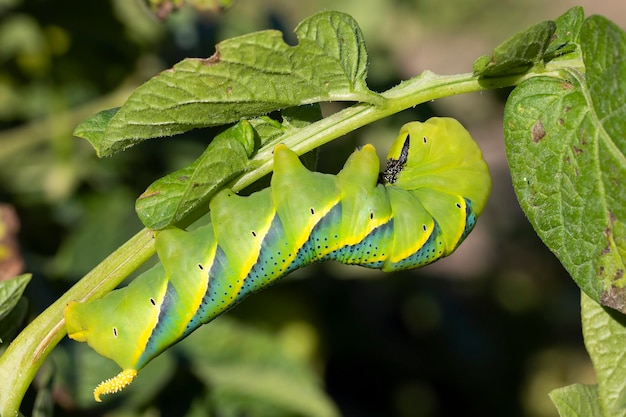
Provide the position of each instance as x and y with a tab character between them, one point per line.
417	211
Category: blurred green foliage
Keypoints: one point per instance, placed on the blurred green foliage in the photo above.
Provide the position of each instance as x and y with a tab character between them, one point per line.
488	332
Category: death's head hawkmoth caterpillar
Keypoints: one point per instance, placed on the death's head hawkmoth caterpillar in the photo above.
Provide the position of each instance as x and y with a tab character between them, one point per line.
417	211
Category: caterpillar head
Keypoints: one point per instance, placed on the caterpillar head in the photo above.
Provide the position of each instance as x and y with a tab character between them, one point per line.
439	155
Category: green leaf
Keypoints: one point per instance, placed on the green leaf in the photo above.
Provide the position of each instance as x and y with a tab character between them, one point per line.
565	145
604	331
94	127
604	53
517	54
171	198
577	400
13	322
10	293
566	37
248	76
250	374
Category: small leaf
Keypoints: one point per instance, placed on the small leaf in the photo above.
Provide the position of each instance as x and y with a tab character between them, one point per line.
481	64
248	76
519	53
577	400
10	293
94	127
13	322
604	331
566	37
171	198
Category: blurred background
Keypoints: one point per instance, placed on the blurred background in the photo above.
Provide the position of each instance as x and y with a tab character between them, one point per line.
487	332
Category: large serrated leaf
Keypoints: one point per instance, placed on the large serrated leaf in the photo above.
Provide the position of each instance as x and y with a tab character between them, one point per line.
248	76
604	331
565	144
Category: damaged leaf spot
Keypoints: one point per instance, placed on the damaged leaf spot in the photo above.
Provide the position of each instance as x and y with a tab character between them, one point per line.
213	59
538	132
149	195
614	297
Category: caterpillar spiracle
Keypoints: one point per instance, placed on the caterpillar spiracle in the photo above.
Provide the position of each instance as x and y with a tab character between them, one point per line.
415	212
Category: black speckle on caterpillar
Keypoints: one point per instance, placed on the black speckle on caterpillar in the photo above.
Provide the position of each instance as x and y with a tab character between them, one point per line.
418	210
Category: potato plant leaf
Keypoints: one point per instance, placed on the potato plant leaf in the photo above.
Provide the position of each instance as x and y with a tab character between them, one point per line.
248	76
565	144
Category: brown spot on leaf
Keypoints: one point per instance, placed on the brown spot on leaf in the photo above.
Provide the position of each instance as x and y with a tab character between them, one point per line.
567	86
212	60
538	132
566	109
608	232
606	250
561	122
183	177
615	298
147	194
577	150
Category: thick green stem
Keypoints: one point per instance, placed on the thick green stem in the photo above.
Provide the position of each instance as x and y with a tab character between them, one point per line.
25	354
